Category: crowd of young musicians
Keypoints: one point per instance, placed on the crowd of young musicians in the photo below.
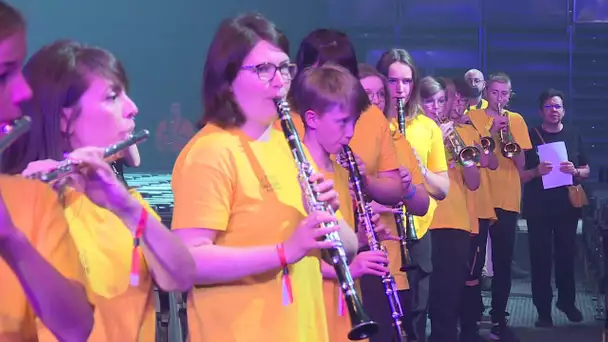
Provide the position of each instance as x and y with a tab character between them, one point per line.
246	241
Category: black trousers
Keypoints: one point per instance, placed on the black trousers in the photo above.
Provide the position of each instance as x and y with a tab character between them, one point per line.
545	230
450	268
414	301
502	234
472	307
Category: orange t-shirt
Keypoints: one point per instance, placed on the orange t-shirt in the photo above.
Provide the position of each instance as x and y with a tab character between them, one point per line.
36	211
248	191
505	184
122	312
453	211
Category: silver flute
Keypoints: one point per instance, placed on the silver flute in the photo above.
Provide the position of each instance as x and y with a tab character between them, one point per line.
365	213
362	326
68	166
13	130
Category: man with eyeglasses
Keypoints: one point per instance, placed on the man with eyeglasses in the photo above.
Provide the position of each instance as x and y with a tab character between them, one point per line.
552	219
476	79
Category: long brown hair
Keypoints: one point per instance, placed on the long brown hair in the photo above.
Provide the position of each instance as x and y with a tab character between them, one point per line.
366	70
391	56
59	74
232	42
11	20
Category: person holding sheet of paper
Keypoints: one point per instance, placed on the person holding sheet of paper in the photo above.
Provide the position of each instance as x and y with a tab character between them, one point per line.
552	219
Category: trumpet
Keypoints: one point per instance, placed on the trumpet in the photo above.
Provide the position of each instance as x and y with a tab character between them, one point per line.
487	144
68	166
404	220
508	147
365	213
14	130
464	155
362	326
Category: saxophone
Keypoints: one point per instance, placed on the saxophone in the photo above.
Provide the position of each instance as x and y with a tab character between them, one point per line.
362	326
364	212
404	220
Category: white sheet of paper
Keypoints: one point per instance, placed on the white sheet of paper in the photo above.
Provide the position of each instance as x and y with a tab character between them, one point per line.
554	153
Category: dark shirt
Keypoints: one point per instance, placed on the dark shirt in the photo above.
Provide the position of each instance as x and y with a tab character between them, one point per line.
536	199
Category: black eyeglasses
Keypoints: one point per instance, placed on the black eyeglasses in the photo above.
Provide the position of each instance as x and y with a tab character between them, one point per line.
267	71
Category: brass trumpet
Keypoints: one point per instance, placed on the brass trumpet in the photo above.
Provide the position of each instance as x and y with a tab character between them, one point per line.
508	147
13	130
464	155
487	144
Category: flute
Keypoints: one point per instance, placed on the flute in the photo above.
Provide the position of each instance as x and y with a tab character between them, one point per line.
68	166
13	130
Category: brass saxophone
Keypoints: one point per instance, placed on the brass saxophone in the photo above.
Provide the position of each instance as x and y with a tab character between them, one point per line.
365	213
68	167
508	147
362	326
13	130
404	221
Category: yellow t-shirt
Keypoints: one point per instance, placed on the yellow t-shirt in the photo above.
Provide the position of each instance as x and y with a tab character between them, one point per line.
35	210
483	104
407	158
483	207
505	184
338	322
371	141
248	191
122	312
453	211
425	137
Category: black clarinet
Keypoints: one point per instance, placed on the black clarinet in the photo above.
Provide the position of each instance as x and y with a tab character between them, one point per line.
362	326
365	213
404	220
67	167
13	130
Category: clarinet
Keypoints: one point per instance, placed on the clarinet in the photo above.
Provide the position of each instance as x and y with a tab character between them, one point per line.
365	213
404	220
14	130
68	166
362	326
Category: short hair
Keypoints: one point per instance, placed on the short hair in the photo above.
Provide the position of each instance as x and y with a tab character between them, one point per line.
499	77
548	94
59	74
11	20
325	45
463	88
401	56
232	42
322	88
429	86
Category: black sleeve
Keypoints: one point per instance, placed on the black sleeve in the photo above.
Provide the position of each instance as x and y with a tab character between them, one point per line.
531	155
582	154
